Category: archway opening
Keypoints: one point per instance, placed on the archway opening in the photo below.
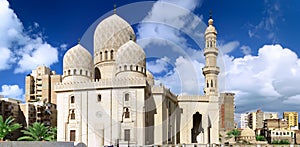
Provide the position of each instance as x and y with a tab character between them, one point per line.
97	74
197	127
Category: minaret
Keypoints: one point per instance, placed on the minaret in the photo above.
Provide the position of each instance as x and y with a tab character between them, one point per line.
211	70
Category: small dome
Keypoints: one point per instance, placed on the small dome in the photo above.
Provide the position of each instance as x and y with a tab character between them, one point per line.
210	28
78	61
112	32
131	57
247	132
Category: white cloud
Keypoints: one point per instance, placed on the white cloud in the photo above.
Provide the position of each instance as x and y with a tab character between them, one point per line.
267	25
185	77
63	46
24	50
228	47
158	66
246	50
172	28
5	57
12	91
264	81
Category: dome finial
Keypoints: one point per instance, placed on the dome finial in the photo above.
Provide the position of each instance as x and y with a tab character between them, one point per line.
210	21
115	9
78	40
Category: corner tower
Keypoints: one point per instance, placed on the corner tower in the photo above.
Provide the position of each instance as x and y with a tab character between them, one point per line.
211	70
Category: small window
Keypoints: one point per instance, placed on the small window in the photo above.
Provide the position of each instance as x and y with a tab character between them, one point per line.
126	97
212	83
72	99
111	55
127	134
80	72
125	67
131	67
99	98
74	72
207	85
100	56
137	68
72	135
72	114
69	72
105	55
127	113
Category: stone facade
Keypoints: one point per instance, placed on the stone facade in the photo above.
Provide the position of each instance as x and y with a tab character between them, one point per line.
226	121
114	100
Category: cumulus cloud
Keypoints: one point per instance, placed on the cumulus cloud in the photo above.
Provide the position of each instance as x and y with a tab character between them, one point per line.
185	77
20	49
170	31
12	91
268	80
158	66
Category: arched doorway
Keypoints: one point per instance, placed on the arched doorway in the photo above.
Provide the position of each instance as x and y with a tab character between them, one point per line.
97	74
197	127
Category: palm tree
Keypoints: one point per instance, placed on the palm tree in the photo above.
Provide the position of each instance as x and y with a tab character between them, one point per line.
234	133
7	126
37	132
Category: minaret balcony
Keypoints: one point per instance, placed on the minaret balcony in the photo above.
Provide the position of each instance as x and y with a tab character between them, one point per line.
211	70
211	50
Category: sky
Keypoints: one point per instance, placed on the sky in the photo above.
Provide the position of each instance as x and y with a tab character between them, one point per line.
257	41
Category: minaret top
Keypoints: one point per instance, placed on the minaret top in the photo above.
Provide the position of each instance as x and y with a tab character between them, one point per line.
115	9
210	28
210	21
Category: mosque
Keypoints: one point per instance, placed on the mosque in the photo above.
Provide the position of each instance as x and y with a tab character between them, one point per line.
111	99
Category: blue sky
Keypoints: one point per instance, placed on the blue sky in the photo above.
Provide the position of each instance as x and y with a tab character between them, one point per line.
258	43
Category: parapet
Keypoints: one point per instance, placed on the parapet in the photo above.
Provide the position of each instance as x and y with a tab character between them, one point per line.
102	84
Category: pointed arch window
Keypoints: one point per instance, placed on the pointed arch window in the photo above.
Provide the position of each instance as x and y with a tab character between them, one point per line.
111	54
127	113
105	55
100	56
97	74
72	114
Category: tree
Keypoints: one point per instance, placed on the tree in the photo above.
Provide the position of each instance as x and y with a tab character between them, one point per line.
37	132
7	126
233	133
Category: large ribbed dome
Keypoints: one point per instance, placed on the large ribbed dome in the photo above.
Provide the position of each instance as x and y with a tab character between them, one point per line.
131	57
112	32
78	61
